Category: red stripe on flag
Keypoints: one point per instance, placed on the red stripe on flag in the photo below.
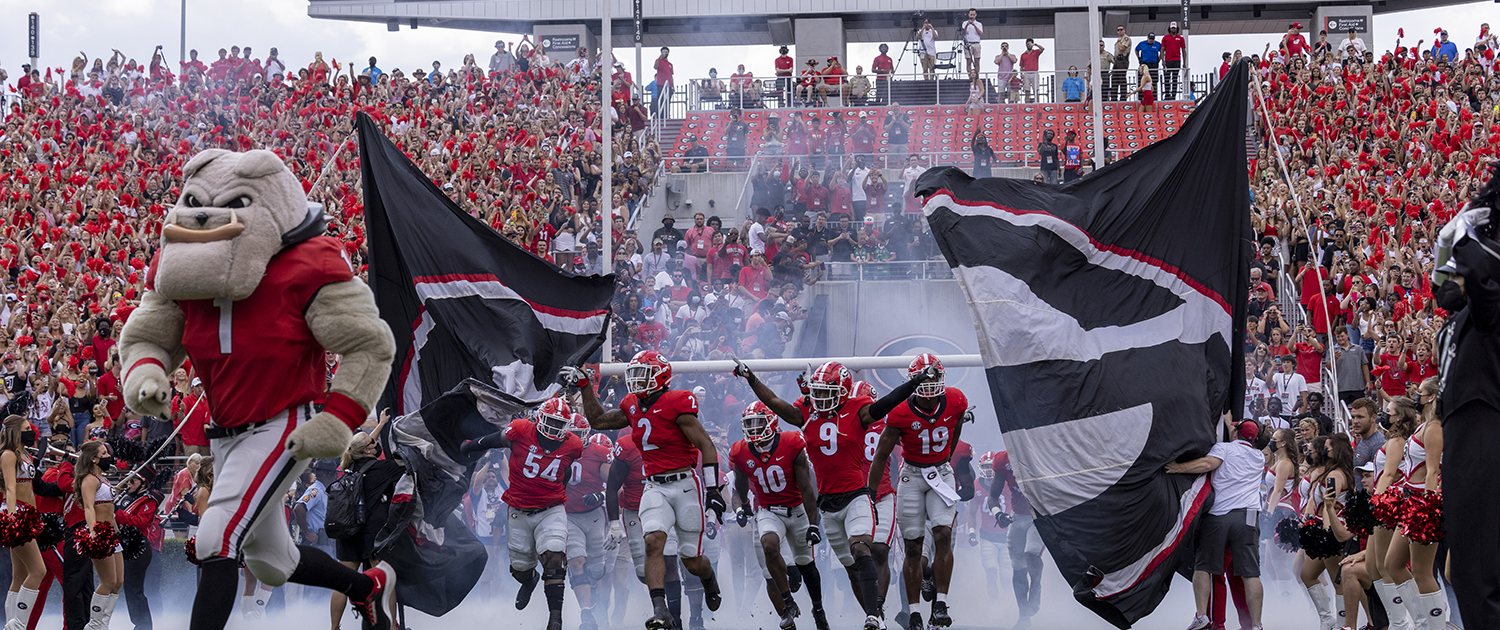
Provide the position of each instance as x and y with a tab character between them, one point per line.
485	277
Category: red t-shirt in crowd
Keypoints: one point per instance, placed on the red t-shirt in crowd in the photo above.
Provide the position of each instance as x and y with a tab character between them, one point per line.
1295	44
756	280
784	65
1172	47
1309	360
1029	60
882	66
663	72
1393	380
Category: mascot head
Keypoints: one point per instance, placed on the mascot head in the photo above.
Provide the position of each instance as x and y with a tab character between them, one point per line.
237	210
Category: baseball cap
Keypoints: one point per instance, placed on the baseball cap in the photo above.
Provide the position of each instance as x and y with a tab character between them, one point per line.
1295	25
1172	25
1249	430
197	381
1368	467
869	220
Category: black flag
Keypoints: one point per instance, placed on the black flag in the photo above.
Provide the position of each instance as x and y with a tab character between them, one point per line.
463	301
1110	314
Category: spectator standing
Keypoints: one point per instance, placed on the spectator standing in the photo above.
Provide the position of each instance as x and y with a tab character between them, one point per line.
1321	48
1107	76
756	237
785	68
973	33
1148	54
1174	52
1293	42
984	156
897	129
1046	154
736	137
373	70
1288	386
743	90
1005	75
700	240
1072	157
664	86
883	67
1364	429
856	180
1444	50
1073	87
310	510
1352	367
275	68
927	49
1231	528
1351	50
859	87
1030	66
668	233
1123	49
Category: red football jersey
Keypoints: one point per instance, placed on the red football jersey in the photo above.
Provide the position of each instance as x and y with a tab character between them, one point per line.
836	445
663	446
927	438
263	339
585	478
872	442
635	481
536	474
962	451
772	475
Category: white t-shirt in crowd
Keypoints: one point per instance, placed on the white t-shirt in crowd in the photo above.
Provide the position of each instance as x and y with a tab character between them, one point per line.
857	184
757	238
1237	480
1254	390
1289	388
1273	423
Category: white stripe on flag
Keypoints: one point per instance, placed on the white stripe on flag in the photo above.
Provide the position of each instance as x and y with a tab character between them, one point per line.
494	290
1120	581
1206	320
1020	328
1059	466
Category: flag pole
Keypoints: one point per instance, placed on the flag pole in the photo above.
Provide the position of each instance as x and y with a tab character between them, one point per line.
1096	109
606	170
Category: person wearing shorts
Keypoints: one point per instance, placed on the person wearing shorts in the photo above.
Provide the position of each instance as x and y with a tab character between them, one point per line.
1232	524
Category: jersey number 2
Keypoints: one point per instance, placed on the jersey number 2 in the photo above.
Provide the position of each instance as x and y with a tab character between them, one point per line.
645	425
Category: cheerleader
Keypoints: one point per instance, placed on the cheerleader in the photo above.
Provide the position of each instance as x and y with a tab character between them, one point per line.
97	501
1418	587
1390	477
1334	463
26	565
1285	500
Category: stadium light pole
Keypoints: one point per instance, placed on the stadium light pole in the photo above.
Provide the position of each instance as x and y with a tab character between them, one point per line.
1095	108
182	41
606	129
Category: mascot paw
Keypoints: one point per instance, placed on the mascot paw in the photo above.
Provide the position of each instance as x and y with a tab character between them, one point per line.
147	391
323	436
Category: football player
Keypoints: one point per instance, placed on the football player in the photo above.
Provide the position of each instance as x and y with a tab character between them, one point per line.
774	464
928	426
988	533
541	460
664	424
587	520
1022	539
834	423
885	507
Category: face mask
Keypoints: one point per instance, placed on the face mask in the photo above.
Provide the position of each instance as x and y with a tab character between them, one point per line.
28	438
1450	297
106	463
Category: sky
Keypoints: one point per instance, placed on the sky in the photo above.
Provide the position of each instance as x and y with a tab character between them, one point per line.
135	27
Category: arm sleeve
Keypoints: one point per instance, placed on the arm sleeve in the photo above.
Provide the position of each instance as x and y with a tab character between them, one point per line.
139	515
881	407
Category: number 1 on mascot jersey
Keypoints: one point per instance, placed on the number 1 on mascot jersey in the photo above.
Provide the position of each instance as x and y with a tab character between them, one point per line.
246	287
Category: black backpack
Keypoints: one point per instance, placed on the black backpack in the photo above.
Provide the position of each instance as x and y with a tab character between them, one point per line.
345	517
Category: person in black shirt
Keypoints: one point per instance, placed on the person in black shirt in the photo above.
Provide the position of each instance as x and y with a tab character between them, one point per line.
984	156
695	157
667	234
841	243
736	134
1047	155
897	127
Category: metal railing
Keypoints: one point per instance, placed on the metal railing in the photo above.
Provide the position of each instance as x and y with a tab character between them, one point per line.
888	270
710	93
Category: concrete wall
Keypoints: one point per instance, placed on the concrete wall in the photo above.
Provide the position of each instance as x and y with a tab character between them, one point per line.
1072	46
820	38
1336	20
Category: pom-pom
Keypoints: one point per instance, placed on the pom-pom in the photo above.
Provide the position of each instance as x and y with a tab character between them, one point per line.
192	551
19	527
53	531
1288	535
1359	514
133	542
1386	508
1422	517
98	543
1317	541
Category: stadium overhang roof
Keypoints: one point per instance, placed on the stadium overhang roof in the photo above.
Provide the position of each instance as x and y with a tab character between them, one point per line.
746	22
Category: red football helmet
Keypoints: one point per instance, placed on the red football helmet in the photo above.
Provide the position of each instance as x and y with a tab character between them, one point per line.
759	424
987	465
932	388
580	426
863	388
647	372
829	386
602	439
553	419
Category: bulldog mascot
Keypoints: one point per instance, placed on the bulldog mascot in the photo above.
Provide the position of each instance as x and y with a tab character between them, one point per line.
246	287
